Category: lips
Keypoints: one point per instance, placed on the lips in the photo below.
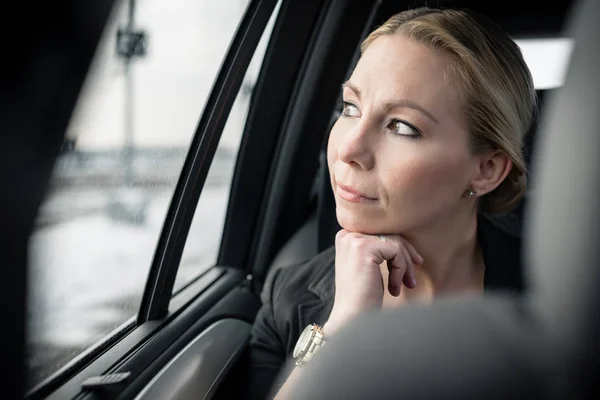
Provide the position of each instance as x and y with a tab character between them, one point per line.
350	194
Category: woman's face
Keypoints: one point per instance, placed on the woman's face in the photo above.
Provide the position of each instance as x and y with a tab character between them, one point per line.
399	156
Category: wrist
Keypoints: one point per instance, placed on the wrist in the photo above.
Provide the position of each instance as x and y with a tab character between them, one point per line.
330	328
309	342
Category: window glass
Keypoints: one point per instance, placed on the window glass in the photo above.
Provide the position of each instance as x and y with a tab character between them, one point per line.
97	229
204	238
547	59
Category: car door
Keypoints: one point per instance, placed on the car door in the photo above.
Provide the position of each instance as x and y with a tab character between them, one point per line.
125	196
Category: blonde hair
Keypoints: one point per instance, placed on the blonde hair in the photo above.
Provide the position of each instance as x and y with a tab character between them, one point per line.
495	84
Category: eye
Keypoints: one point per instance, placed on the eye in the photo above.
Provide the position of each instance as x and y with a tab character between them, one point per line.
349	110
403	128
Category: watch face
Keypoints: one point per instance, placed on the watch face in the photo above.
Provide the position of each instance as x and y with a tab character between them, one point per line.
303	341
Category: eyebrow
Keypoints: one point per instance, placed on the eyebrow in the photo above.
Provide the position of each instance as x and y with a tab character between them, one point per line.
394	104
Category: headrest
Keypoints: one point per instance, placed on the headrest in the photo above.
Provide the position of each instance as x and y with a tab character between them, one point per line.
563	222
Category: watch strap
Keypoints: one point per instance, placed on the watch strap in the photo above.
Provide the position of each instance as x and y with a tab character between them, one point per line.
317	340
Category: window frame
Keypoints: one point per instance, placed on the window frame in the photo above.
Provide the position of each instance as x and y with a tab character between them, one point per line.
172	240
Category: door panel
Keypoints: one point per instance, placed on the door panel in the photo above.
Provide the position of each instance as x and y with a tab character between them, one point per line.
146	350
199	368
239	303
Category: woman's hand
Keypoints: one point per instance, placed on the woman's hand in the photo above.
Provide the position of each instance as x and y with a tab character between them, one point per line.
358	280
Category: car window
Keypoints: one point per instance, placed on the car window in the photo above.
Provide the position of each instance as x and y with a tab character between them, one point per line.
204	238
547	59
97	229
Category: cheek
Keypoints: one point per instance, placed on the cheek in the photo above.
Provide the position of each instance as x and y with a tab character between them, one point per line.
427	177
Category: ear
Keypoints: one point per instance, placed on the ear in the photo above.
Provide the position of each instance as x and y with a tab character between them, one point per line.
492	170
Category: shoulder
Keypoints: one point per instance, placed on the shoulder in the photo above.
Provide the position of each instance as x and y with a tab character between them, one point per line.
308	280
300	294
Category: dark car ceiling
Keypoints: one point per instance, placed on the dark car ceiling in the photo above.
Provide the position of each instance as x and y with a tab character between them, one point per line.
521	18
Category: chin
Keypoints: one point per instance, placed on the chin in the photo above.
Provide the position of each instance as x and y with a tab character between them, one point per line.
358	223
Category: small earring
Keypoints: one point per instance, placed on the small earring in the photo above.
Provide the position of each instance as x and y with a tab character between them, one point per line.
472	192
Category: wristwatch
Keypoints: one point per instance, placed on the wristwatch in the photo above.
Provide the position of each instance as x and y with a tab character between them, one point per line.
307	345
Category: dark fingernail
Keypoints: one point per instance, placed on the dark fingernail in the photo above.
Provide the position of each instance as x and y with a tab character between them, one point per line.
414	282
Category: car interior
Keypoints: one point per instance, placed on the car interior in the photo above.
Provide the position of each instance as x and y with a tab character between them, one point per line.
281	210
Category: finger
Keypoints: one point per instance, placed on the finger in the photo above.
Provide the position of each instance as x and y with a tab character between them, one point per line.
409	277
402	261
414	254
397	268
399	261
395	279
388	246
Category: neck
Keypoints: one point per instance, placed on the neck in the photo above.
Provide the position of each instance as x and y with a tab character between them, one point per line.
449	248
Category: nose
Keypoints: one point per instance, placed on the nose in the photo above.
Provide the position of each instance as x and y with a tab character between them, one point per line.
355	147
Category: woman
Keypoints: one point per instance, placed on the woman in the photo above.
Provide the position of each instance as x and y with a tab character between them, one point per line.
430	137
